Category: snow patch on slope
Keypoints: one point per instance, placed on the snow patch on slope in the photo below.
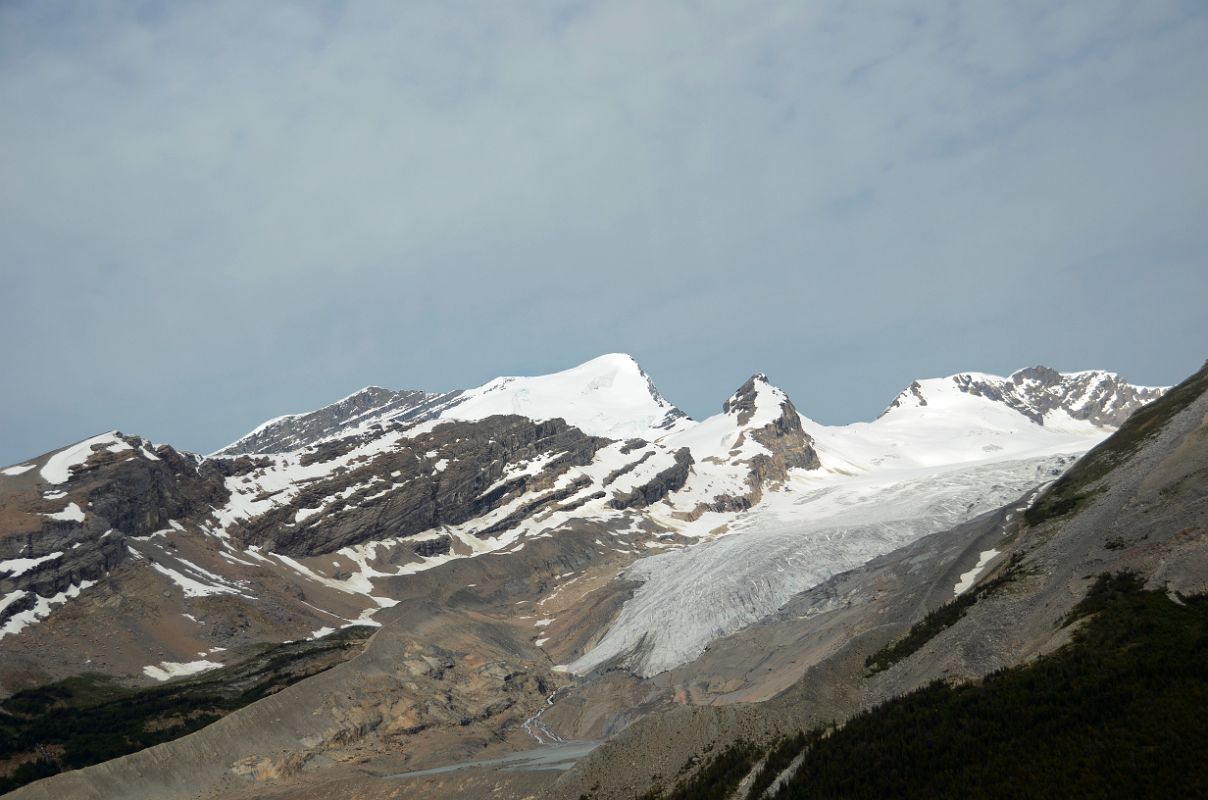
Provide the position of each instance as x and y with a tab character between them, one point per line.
42	608
192	587
58	467
969	578
19	566
167	670
73	513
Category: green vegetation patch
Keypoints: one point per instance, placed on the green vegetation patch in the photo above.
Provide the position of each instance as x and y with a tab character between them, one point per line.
1072	490
88	719
1119	712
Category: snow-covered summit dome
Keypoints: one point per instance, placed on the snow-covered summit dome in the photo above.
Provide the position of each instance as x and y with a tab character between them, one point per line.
609	396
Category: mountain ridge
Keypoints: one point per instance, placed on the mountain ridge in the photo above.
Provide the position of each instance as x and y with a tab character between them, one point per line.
1097	396
1035	392
194	562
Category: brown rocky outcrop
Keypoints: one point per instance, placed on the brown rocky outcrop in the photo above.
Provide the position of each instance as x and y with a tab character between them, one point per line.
669	480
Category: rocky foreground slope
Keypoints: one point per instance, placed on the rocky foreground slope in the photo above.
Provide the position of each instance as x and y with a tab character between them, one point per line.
545	558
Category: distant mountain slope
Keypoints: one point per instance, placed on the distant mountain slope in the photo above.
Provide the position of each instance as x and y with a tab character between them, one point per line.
372	404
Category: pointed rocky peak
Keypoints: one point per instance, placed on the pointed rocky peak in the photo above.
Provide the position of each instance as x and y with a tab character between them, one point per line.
758	400
765	412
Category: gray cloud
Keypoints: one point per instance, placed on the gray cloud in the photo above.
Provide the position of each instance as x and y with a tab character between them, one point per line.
215	213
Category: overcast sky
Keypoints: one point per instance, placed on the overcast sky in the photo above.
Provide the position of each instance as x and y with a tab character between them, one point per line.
217	213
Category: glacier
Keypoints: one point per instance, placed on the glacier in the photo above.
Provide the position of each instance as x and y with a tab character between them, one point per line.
796	539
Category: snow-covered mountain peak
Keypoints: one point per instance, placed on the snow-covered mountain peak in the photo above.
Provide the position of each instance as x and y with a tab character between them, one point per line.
1041	394
609	396
610	361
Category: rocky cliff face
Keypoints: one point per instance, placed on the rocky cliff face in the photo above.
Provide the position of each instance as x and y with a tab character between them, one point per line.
65	534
